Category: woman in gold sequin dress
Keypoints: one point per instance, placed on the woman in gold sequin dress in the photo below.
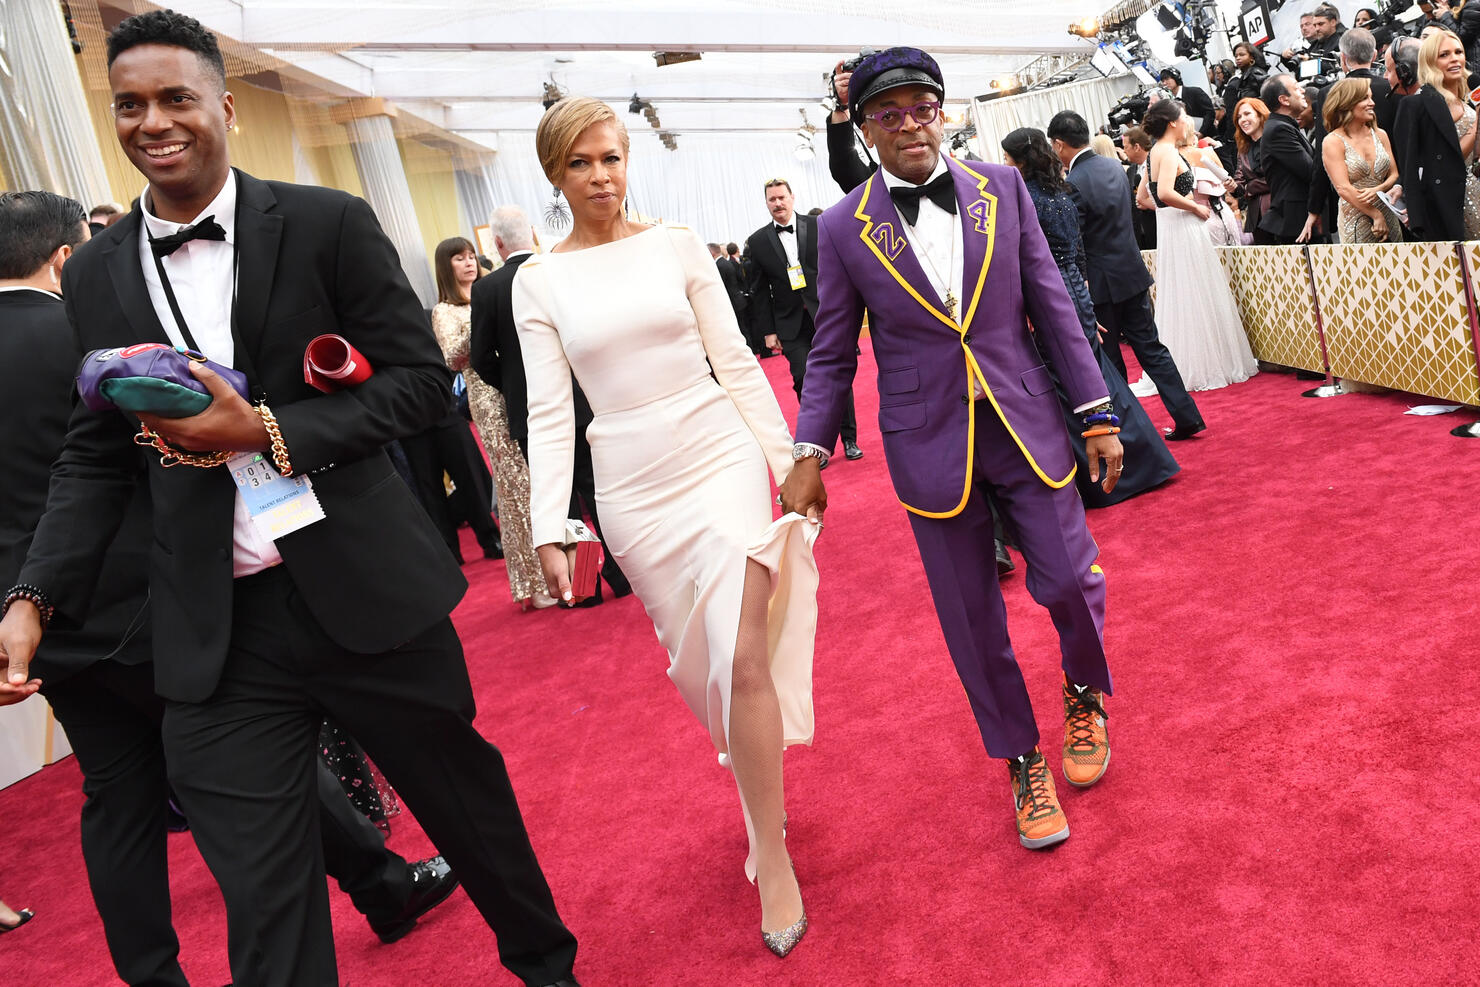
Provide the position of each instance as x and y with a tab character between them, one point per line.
1359	159
456	264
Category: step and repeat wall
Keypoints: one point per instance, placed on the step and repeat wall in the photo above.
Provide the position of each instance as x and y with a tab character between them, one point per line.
1399	315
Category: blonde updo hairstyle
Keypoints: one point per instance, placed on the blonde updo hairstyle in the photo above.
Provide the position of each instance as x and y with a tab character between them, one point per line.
563	124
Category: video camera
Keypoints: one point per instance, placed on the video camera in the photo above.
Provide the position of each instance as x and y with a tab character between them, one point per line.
1129	110
1389	16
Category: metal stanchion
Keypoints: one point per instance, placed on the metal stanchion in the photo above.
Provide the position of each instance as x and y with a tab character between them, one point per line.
1331	388
1472	430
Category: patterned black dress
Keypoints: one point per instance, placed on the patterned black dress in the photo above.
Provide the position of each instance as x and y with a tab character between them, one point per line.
1148	461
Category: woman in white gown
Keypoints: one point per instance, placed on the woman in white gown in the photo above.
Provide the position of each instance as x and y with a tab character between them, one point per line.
1195	313
681	464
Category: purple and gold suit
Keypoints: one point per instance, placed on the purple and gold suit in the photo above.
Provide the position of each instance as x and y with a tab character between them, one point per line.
966	408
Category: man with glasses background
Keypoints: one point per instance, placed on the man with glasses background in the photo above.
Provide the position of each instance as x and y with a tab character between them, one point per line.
783	292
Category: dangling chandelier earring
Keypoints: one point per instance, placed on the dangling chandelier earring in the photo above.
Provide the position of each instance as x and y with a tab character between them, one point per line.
557	213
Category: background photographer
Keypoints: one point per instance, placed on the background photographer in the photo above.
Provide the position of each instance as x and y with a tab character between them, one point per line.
844	159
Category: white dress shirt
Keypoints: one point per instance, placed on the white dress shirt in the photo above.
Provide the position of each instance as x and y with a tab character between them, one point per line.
201	274
936	239
788	240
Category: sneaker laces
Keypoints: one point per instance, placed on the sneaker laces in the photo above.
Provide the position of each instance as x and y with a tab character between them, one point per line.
1079	717
1031	775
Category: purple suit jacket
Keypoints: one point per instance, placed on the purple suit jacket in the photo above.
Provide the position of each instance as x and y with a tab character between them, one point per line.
927	362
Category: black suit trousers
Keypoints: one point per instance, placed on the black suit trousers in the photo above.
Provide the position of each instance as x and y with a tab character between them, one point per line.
244	767
583	505
796	352
450	446
1131	320
112	718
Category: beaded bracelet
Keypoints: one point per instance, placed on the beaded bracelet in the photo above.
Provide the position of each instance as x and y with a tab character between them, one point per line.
1102	417
33	594
1107	430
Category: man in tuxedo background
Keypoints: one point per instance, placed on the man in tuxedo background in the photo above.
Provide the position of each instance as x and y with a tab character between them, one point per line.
493	351
783	292
257	638
733	281
1289	162
1119	283
1137	146
1196	101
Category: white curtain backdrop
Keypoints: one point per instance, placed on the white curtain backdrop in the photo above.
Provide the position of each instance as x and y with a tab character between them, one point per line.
474	195
997	118
383	177
47	141
712	183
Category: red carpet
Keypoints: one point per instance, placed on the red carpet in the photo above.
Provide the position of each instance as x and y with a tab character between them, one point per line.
1292	636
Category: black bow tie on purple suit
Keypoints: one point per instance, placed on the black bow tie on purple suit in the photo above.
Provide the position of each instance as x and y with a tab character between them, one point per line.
941	191
206	229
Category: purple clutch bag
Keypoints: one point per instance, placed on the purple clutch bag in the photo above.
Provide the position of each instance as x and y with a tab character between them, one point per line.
154	378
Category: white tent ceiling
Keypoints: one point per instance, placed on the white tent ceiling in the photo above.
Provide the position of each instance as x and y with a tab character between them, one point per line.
479	67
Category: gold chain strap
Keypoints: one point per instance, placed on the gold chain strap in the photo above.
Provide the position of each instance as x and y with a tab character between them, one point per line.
279	447
170	456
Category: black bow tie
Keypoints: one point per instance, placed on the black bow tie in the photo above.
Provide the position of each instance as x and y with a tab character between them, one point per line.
941	191
784	229
206	229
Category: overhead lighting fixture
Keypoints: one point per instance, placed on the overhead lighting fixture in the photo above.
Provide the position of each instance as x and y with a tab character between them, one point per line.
675	57
1087	28
552	95
636	105
805	152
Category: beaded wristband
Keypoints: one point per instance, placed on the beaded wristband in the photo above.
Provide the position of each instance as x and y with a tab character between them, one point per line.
1107	430
1102	417
279	447
32	594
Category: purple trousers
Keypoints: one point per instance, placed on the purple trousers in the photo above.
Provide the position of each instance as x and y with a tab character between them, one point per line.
960	565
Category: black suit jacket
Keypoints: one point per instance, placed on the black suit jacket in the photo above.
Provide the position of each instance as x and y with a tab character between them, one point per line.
1143	221
730	274
38	361
1289	162
493	349
312	261
1116	271
1430	166
775	306
1323	198
1199	104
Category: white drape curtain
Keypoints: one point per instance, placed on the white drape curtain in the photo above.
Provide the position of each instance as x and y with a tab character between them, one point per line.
383	176
45	132
997	118
475	201
713	184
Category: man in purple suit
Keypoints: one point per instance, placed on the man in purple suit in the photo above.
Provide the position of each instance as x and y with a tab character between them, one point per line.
950	263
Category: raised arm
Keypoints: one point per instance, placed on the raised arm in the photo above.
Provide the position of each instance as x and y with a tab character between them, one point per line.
734	366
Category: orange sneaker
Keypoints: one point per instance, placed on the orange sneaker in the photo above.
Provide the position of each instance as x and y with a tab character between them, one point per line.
1040	821
1086	741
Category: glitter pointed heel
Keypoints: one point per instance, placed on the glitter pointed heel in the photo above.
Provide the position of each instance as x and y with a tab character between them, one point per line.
786	940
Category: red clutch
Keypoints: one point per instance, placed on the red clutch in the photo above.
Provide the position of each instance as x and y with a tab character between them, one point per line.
330	363
583	551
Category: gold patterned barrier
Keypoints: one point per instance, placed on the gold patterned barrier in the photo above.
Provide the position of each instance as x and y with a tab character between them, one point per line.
1272	290
1396	315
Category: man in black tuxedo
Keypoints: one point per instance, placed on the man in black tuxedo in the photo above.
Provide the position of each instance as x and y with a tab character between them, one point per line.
1289	161
98	678
1196	101
1137	146
734	286
256	637
493	351
1118	280
783	291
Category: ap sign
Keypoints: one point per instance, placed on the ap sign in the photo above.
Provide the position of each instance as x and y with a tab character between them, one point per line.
1254	19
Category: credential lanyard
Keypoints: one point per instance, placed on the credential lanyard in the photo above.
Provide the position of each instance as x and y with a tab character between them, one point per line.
239	351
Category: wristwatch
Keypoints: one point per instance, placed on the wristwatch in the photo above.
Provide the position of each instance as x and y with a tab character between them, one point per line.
806	450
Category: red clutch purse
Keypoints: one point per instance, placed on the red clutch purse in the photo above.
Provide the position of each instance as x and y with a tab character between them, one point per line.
330	363
583	551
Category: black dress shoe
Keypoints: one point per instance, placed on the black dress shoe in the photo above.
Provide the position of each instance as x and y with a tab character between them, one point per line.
1004	561
432	880
494	551
851	450
1182	432
567	982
